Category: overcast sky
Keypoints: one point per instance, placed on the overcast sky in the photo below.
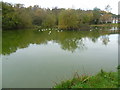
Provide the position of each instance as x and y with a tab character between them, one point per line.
83	4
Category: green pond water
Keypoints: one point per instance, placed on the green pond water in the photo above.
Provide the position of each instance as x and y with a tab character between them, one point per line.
39	58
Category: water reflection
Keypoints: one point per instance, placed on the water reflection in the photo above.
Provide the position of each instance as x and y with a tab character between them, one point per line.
49	54
105	39
68	40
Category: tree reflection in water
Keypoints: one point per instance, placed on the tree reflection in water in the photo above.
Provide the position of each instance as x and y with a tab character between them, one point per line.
68	40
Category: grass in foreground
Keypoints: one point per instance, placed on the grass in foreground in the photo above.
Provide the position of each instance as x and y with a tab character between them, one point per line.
101	80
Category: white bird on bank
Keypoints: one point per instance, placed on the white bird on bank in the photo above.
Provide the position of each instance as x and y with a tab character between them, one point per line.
49	32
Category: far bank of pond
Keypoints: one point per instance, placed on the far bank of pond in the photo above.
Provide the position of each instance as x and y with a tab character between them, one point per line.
83	27
106	25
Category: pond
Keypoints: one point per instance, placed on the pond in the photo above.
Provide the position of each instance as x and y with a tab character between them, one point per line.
41	58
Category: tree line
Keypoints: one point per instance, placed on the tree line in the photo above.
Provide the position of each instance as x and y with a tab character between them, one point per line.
16	16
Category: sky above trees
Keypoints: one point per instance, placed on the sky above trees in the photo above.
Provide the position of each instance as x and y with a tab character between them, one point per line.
83	4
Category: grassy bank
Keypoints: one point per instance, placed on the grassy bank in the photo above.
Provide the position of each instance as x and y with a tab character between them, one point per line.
101	80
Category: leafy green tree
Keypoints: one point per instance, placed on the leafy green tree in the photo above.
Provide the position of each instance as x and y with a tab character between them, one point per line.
87	17
56	11
68	19
49	20
38	15
24	18
9	20
96	15
15	17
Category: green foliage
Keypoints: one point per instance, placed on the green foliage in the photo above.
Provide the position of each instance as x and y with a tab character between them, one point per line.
38	16
101	80
17	17
24	18
49	21
8	18
68	19
14	17
87	17
96	17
